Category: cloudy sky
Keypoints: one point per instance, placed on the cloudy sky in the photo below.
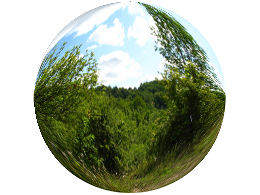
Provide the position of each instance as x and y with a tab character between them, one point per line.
120	37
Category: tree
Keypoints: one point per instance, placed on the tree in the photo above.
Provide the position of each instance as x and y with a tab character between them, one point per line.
61	80
176	45
65	79
191	84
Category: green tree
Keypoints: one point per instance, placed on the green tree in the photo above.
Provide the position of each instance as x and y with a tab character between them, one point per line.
66	79
61	80
193	90
176	45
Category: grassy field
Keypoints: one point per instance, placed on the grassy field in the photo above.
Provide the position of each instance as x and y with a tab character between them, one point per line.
162	172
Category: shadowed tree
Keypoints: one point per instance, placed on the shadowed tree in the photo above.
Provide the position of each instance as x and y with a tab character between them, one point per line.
192	86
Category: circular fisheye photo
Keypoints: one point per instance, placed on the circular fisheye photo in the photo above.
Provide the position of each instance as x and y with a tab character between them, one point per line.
129	97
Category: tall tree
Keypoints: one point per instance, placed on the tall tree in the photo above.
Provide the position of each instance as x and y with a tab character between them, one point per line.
190	81
176	45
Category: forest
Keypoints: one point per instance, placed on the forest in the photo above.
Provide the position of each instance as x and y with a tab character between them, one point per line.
130	139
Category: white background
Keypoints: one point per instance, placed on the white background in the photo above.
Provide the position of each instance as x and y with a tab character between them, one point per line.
26	30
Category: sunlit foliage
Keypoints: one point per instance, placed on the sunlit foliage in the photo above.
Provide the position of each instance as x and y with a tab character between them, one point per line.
132	135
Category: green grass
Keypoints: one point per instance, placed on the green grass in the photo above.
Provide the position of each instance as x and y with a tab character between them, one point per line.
166	170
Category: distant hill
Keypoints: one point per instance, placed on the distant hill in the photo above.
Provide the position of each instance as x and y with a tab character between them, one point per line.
152	93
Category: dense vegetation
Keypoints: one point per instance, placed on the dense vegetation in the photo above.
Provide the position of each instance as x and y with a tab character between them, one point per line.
122	139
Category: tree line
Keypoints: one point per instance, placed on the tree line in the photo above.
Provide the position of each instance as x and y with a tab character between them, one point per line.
121	129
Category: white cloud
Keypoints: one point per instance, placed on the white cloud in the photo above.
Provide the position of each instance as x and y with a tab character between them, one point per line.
140	30
81	55
162	65
86	22
135	9
93	18
91	47
147	78
118	67
113	35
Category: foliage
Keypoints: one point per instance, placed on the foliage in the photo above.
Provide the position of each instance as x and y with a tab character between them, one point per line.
60	81
176	45
116	134
192	86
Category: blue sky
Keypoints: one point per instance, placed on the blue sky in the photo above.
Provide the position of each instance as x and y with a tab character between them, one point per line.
120	37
